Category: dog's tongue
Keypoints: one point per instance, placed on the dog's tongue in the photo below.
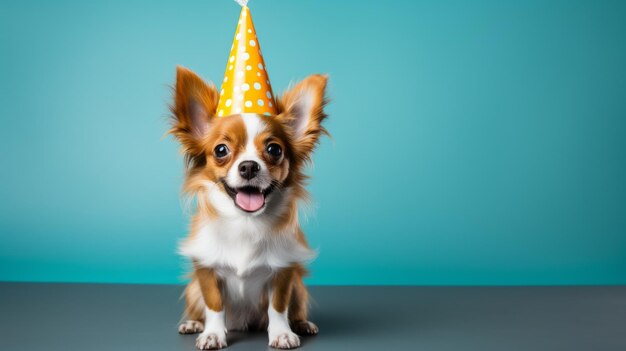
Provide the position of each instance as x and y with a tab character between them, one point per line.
250	201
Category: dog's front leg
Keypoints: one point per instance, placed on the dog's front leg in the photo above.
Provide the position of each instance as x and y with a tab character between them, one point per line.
279	332
214	335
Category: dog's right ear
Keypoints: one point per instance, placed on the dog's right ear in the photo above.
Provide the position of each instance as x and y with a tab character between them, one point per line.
194	106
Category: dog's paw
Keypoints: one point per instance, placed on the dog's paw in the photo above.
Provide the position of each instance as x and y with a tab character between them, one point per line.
211	341
286	340
305	328
190	327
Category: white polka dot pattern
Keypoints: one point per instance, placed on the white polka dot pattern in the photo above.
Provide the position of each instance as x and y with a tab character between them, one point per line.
246	87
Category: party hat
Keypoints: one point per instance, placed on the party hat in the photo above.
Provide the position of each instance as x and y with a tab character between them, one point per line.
246	87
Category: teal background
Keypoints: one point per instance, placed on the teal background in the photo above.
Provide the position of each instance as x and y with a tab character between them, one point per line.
475	142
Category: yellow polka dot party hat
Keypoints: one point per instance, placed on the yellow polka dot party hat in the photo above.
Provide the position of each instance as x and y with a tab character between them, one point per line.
246	87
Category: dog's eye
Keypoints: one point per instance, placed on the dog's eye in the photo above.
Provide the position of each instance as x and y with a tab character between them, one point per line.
221	151
274	150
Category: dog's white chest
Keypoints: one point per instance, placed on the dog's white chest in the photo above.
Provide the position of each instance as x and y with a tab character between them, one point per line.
238	259
242	252
247	287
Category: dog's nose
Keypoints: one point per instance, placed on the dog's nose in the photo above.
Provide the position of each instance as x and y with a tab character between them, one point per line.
249	169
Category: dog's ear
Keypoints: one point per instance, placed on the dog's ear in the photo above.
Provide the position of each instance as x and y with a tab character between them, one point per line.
302	111
194	106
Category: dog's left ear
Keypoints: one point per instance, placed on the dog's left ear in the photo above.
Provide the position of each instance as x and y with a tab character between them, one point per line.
302	111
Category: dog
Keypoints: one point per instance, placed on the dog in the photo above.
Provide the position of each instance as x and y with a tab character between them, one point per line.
246	174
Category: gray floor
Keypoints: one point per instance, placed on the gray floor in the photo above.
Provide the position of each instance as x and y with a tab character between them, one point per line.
144	317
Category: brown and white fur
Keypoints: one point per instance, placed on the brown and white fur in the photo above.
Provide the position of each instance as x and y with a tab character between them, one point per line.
248	265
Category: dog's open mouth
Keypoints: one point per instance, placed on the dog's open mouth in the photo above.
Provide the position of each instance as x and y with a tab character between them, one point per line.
248	198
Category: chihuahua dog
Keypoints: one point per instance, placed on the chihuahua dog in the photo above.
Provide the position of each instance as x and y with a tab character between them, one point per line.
245	172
